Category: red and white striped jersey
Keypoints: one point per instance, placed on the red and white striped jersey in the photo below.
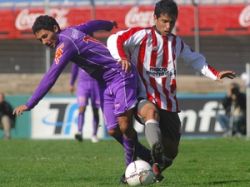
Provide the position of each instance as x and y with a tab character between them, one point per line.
155	57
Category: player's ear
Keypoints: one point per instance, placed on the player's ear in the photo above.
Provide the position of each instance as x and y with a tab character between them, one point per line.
56	29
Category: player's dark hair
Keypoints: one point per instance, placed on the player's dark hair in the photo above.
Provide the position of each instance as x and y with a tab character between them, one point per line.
168	7
44	22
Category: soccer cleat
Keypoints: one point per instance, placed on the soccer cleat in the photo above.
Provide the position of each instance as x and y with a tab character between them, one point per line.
157	172
157	153
158	156
78	136
123	179
94	139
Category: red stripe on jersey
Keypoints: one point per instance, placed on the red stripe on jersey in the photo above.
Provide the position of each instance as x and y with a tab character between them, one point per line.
173	90
140	65
165	52
122	38
153	65
214	71
166	92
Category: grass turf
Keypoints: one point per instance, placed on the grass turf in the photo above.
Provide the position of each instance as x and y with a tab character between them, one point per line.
66	163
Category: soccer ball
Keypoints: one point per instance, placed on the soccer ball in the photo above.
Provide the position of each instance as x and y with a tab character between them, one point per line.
139	173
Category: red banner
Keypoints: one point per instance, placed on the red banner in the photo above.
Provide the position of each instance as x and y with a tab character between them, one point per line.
213	20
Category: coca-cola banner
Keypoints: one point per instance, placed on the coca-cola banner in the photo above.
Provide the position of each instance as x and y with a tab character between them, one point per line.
213	20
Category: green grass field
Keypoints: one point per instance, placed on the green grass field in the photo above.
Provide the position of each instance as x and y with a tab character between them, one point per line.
66	163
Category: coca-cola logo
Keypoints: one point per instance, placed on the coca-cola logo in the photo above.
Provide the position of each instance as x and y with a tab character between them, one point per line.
244	18
135	18
25	18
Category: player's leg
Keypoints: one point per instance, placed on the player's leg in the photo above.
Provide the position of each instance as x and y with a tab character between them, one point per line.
110	119
170	127
129	135
95	102
148	115
114	130
82	100
94	138
141	151
80	123
124	91
6	124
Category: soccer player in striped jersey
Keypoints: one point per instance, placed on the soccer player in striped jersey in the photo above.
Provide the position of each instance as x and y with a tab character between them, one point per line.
116	83
154	51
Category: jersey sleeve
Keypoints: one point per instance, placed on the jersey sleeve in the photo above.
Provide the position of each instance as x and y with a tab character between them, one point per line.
197	61
96	25
64	52
124	41
74	74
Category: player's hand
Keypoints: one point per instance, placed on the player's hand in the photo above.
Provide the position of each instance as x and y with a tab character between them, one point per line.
227	74
126	65
19	110
71	89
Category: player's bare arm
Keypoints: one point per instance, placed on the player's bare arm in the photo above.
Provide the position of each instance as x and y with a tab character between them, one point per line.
226	74
19	110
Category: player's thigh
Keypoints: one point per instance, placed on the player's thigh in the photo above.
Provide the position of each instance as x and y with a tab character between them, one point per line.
170	128
125	95
110	119
82	96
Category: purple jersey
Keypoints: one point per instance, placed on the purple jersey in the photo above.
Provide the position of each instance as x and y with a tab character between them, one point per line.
118	88
87	53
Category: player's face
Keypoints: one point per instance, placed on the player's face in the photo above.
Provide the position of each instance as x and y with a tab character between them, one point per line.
164	24
47	37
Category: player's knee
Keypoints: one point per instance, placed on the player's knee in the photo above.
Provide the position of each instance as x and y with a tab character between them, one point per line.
125	124
125	129
152	113
82	109
112	132
148	111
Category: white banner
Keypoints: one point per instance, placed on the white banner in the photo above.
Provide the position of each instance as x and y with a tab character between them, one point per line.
56	118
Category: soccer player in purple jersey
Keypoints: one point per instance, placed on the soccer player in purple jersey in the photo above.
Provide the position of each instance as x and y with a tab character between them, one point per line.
87	88
116	80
